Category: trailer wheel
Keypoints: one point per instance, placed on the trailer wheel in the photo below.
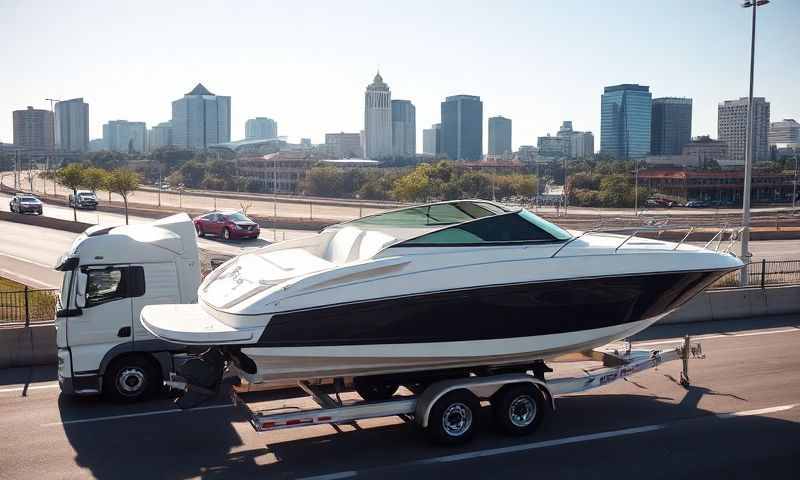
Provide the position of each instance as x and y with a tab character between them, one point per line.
373	391
453	417
518	409
131	379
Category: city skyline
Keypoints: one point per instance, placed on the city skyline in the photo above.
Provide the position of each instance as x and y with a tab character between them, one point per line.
319	81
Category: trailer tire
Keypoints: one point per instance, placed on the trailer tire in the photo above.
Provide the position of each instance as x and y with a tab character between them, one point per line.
453	417
373	391
518	409
131	378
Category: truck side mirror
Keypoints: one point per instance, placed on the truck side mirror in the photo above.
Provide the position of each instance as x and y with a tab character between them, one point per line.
80	291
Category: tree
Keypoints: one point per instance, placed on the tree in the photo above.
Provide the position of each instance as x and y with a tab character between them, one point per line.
413	186
123	182
193	173
72	177
94	178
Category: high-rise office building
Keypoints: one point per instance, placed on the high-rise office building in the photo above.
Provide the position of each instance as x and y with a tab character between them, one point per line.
344	145
33	128
625	117
159	136
703	150
462	127
124	136
432	139
72	125
499	136
732	127
581	145
780	133
404	129
200	119
377	120
261	127
671	125
558	146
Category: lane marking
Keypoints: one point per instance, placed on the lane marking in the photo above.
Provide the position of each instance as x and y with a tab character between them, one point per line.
761	411
134	415
549	443
31	387
722	335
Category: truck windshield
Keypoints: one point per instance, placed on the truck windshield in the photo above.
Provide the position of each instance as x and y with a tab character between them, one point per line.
64	293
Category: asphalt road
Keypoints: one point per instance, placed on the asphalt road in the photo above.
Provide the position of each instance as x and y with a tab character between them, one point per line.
740	419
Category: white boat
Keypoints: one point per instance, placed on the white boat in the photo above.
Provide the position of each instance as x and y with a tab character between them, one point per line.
464	285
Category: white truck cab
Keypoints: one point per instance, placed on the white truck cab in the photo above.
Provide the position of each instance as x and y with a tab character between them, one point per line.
110	273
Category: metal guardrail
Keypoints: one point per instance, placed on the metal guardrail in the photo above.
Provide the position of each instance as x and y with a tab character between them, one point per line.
28	306
764	273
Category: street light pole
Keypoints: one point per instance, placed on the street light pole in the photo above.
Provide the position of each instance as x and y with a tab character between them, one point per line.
748	154
794	187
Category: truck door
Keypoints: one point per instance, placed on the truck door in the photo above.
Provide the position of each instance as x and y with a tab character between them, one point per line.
104	321
161	286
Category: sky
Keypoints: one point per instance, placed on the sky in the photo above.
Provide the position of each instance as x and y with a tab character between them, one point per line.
306	64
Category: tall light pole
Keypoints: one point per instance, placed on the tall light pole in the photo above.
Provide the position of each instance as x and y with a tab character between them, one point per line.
748	154
794	187
52	101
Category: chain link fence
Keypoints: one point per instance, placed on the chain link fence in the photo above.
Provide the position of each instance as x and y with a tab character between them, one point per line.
28	306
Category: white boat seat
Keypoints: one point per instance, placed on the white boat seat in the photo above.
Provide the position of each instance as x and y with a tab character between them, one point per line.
343	247
373	242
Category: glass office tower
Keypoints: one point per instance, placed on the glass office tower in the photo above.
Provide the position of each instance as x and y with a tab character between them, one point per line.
625	116
462	127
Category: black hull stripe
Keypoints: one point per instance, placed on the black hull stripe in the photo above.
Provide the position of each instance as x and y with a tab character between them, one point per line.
489	313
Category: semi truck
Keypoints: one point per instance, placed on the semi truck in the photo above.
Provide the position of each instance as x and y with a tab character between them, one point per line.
110	273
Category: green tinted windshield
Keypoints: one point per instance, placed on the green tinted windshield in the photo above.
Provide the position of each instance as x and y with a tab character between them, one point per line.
516	227
433	215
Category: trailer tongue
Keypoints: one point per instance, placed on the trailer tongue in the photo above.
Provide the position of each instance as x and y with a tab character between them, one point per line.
447	409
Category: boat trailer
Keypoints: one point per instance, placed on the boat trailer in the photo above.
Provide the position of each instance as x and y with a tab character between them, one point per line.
445	408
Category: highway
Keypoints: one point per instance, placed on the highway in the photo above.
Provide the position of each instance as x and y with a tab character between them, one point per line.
739	419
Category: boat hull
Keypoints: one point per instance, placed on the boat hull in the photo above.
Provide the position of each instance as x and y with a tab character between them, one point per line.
487	326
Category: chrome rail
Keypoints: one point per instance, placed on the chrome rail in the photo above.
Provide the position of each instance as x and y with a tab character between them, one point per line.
659	229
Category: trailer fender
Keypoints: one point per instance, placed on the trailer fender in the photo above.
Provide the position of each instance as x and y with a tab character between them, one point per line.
481	387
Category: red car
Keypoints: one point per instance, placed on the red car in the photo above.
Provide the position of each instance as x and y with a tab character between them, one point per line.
228	225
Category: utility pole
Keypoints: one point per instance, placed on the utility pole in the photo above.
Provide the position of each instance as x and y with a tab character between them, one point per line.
794	187
748	154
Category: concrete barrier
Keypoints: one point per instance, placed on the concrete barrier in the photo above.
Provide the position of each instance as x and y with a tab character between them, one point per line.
26	346
47	222
730	303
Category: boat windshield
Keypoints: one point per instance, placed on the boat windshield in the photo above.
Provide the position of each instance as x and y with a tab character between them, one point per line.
521	226
437	214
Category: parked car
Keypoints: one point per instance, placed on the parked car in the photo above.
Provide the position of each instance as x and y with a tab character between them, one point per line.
25	203
83	199
228	225
696	204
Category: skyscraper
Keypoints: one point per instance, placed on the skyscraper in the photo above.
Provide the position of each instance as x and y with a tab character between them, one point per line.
671	126
785	132
499	135
124	136
33	128
625	117
404	129
732	127
159	136
72	125
200	119
261	127
462	127
581	145
432	139
377	120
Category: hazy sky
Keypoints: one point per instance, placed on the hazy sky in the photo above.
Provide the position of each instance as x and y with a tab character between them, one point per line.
306	63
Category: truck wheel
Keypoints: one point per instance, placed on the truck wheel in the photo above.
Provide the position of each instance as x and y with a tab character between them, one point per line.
518	409
131	379
453	417
371	390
